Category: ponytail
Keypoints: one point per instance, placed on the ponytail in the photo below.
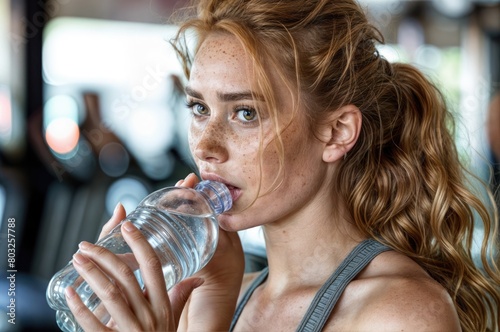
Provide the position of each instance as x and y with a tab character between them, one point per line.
409	191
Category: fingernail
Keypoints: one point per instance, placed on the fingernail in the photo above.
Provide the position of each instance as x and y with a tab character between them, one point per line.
84	245
179	183
69	292
80	259
117	207
129	227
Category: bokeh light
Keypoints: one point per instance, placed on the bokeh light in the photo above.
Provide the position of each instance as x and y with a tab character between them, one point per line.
114	159
60	106
62	135
129	191
5	114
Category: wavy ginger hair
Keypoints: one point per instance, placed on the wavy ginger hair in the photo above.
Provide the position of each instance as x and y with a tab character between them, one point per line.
403	182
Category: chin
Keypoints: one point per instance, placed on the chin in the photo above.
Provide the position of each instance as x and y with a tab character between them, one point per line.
228	223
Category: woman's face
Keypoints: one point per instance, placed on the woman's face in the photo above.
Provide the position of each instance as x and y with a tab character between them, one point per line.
227	127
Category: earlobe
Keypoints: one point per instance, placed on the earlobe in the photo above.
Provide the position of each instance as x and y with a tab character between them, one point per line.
343	131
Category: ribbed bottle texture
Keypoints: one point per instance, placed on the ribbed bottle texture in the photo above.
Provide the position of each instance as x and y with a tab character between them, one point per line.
180	224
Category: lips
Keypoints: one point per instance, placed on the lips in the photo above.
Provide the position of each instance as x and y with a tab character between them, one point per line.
235	191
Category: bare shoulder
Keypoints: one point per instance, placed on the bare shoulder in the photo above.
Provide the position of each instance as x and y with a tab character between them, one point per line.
395	294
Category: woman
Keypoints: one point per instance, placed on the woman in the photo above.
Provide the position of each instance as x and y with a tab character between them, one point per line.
346	161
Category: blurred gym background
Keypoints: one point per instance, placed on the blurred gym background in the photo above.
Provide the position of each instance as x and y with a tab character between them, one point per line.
92	114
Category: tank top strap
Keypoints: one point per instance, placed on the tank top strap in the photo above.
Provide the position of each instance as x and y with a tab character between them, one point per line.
325	299
256	283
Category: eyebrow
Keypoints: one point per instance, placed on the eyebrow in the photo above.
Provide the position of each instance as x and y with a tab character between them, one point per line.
226	97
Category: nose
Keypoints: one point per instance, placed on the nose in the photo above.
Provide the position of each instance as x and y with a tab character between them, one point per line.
209	143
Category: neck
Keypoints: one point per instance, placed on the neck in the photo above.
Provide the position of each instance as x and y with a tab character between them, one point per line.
306	251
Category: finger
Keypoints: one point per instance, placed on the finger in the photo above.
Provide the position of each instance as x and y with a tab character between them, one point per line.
118	215
180	293
97	265
190	181
149	264
85	318
121	269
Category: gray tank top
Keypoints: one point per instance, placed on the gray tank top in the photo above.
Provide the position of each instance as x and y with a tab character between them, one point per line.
325	299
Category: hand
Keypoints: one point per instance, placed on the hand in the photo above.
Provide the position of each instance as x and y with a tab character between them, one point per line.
211	306
128	305
118	215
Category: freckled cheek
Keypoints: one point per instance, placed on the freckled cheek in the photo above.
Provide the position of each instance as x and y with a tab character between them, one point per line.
294	148
248	165
271	162
193	136
244	151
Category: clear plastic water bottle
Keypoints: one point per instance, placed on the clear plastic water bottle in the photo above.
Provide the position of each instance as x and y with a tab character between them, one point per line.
180	224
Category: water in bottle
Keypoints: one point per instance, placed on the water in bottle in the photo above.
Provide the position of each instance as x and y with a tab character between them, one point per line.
180	224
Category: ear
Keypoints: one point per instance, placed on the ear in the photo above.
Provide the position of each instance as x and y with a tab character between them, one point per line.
341	132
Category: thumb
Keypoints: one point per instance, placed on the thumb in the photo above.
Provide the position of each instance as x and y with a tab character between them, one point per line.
179	294
118	215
